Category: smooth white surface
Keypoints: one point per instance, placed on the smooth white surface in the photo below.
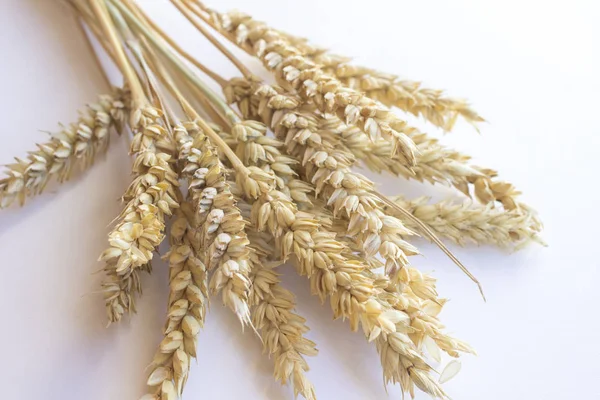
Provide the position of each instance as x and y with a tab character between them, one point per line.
530	67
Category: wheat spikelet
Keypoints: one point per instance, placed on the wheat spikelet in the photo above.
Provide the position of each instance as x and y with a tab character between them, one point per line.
73	147
140	227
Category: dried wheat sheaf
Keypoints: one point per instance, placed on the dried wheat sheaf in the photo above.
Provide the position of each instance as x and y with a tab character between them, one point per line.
263	175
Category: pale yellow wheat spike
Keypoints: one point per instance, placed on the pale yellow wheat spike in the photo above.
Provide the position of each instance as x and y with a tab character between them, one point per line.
468	222
431	104
188	300
282	330
74	147
139	230
219	226
272	309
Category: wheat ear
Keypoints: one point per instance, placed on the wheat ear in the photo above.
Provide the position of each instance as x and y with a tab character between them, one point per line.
140	227
188	300
219	227
273	315
272	310
76	146
469	222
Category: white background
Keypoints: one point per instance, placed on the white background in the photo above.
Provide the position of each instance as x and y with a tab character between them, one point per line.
530	67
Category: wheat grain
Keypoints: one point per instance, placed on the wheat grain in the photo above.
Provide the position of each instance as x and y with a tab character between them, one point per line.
76	146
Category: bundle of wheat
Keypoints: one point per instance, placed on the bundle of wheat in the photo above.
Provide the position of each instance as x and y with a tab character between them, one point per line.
263	175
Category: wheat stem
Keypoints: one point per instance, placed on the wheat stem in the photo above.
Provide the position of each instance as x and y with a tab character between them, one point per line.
224	50
146	19
137	92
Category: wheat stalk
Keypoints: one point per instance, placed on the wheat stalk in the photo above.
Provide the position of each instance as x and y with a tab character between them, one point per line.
74	147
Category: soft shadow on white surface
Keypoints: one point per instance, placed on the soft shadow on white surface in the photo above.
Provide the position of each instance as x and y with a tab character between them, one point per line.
530	67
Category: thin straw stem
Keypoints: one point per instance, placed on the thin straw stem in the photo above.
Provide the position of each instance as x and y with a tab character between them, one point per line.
137	91
190	17
220	104
214	137
89	20
145	18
